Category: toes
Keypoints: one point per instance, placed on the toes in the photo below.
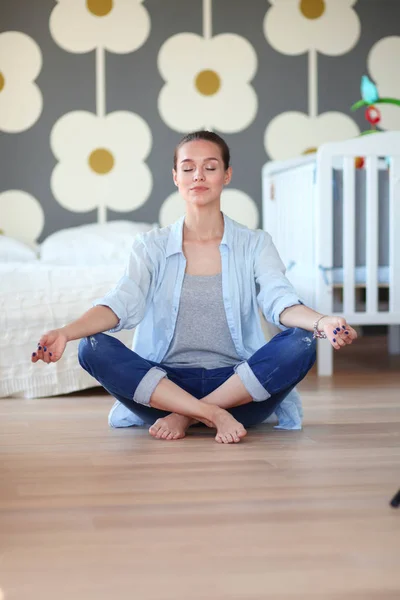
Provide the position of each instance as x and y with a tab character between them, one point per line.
165	434
241	432
160	432
218	438
155	427
170	436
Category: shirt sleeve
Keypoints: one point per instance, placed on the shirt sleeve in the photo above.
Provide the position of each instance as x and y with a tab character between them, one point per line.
129	297
275	291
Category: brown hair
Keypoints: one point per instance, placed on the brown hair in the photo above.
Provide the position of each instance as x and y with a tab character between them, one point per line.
208	136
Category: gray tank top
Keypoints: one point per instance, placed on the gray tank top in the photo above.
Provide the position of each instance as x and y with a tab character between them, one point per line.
202	337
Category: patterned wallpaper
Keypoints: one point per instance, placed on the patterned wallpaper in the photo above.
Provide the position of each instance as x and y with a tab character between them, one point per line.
95	94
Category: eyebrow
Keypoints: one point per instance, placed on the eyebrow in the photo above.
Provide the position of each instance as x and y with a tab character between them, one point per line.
205	160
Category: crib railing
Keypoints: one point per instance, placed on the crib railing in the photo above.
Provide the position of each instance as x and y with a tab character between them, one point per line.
373	148
329	223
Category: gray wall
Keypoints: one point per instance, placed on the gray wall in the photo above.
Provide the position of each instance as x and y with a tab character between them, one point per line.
67	82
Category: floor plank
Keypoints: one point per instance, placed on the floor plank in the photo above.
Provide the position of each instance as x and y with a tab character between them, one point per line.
87	512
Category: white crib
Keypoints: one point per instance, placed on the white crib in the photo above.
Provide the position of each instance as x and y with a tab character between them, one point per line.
337	229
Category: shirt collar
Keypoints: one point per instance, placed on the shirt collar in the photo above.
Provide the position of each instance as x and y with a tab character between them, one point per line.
174	244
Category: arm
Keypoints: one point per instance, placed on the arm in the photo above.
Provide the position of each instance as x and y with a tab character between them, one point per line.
336	329
129	298
52	344
280	303
122	308
95	320
276	293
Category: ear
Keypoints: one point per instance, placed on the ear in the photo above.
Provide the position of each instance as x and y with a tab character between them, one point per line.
228	176
174	177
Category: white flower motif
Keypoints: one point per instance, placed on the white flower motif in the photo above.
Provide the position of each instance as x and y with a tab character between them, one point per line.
384	67
21	217
207	82
120	26
234	203
328	26
20	99
293	133
101	161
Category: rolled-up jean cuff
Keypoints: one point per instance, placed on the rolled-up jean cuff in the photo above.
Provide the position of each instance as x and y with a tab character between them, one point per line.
147	385
251	383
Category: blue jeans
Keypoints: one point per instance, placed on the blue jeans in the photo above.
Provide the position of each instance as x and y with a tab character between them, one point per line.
268	375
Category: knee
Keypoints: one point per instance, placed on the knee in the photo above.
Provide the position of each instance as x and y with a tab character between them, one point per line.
88	349
303	344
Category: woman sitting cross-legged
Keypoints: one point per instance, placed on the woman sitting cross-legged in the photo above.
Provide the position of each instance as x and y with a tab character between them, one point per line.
193	291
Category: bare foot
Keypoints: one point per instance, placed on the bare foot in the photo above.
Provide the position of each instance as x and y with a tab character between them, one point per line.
228	429
172	427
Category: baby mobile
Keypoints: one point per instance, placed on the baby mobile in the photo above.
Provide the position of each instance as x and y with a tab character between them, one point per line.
369	98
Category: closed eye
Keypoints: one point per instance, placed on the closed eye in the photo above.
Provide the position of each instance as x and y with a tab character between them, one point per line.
207	169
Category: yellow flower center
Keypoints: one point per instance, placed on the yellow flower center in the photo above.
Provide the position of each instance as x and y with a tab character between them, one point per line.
310	150
208	82
2	82
312	9
101	161
99	8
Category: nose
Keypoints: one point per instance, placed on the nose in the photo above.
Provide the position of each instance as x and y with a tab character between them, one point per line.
198	175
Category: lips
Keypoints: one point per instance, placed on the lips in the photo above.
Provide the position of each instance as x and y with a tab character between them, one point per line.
199	189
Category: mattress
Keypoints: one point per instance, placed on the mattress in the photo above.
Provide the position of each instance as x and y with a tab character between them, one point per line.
360	275
35	298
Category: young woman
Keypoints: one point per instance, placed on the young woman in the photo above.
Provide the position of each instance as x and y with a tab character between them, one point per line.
193	292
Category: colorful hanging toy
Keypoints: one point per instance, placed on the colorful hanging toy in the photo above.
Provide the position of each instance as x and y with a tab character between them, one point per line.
370	97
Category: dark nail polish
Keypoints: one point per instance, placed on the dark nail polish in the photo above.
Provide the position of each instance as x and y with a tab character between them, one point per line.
334	339
33	353
343	326
45	348
39	347
346	332
51	354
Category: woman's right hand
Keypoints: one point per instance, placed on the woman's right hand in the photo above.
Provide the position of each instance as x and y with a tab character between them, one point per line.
51	347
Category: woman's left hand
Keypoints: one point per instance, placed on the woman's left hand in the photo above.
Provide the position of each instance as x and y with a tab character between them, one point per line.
338	331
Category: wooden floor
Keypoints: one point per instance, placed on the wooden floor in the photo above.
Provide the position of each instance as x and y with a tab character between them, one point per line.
87	512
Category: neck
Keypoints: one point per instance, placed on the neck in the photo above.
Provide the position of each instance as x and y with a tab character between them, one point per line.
204	223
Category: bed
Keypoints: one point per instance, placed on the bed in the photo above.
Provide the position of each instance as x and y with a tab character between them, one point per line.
35	298
337	228
45	288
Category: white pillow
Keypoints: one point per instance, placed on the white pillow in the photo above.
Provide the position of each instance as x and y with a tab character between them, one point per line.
93	244
11	250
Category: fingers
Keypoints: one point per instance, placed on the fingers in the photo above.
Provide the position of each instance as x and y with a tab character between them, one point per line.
352	333
336	341
43	340
342	335
46	355
37	354
42	353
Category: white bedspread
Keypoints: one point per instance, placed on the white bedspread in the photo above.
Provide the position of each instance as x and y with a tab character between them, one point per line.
34	298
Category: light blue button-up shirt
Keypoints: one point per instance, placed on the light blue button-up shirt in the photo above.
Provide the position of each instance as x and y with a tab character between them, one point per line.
147	296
